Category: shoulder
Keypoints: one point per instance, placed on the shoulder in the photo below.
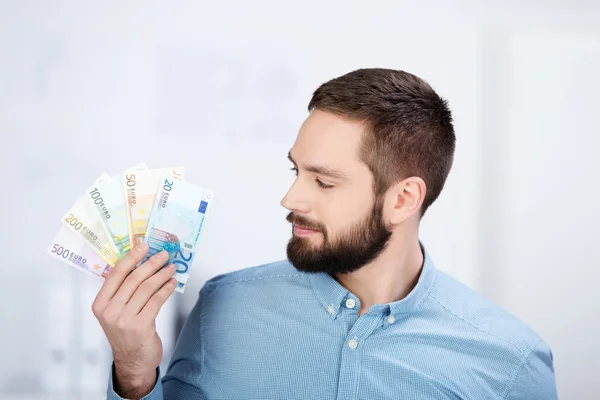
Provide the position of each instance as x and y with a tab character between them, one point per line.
468	309
254	276
516	358
264	291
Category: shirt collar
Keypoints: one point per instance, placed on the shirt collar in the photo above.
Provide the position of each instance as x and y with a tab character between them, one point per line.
331	294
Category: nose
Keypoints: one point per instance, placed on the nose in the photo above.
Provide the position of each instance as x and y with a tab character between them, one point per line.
295	201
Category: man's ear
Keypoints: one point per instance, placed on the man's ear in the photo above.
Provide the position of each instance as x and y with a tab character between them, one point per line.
404	199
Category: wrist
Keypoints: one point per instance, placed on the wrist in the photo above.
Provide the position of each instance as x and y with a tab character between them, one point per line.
130	382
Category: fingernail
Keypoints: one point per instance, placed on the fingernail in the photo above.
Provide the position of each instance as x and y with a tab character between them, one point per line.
171	267
164	254
142	246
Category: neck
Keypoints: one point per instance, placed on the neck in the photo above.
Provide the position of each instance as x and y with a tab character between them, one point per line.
390	277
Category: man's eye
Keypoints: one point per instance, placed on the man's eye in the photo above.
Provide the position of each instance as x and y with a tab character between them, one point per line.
323	185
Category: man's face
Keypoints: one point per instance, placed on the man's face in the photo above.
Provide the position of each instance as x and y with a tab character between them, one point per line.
337	221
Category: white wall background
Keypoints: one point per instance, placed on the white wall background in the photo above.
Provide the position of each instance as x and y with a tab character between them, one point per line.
87	87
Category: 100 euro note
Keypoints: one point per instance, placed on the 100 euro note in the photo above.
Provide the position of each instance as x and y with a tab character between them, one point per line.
108	200
72	250
176	223
83	221
140	191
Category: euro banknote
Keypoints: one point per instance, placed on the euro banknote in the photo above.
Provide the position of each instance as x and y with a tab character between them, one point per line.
176	223
72	250
85	223
140	189
108	200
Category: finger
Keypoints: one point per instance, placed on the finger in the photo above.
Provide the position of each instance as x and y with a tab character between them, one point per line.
152	307
135	278
119	273
147	289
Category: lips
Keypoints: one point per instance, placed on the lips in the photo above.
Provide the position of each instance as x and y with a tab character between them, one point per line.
296	226
302	231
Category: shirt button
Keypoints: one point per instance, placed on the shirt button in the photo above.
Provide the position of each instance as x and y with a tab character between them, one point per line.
350	303
353	343
331	309
391	319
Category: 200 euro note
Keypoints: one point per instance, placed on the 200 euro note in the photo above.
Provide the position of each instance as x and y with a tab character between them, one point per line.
140	192
85	223
108	200
72	250
176	223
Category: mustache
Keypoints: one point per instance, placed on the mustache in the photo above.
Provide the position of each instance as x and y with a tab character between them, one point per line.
304	222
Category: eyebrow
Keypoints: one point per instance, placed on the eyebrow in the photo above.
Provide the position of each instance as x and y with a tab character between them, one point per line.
321	170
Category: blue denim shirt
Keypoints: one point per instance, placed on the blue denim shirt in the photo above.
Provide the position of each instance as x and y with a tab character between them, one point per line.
272	332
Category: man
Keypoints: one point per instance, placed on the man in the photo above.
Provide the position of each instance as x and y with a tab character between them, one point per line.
358	311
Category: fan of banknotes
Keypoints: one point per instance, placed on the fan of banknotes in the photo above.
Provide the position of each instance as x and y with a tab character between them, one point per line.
156	206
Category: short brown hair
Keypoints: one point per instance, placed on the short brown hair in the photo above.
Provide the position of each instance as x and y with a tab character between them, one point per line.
409	127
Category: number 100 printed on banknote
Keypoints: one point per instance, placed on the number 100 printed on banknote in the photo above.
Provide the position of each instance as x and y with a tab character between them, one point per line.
176	224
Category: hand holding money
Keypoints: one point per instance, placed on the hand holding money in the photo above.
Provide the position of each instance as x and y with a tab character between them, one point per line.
124	230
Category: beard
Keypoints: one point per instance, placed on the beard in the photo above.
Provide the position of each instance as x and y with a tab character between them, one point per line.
349	251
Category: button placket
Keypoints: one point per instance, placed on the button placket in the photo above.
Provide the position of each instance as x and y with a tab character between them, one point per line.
355	344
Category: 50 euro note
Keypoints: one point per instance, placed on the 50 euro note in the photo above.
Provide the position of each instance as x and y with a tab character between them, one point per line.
108	200
83	221
176	223
72	250
140	191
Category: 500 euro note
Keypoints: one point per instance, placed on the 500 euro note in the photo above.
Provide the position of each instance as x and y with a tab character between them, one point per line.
108	200
85	223
140	191
176	222
70	249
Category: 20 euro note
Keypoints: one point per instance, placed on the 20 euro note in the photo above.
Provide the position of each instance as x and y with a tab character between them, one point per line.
108	200
140	190
83	221
176	223
72	250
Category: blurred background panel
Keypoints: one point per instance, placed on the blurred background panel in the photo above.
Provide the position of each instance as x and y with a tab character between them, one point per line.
88	87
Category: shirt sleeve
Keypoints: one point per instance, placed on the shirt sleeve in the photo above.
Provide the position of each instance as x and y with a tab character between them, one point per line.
182	380
535	378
